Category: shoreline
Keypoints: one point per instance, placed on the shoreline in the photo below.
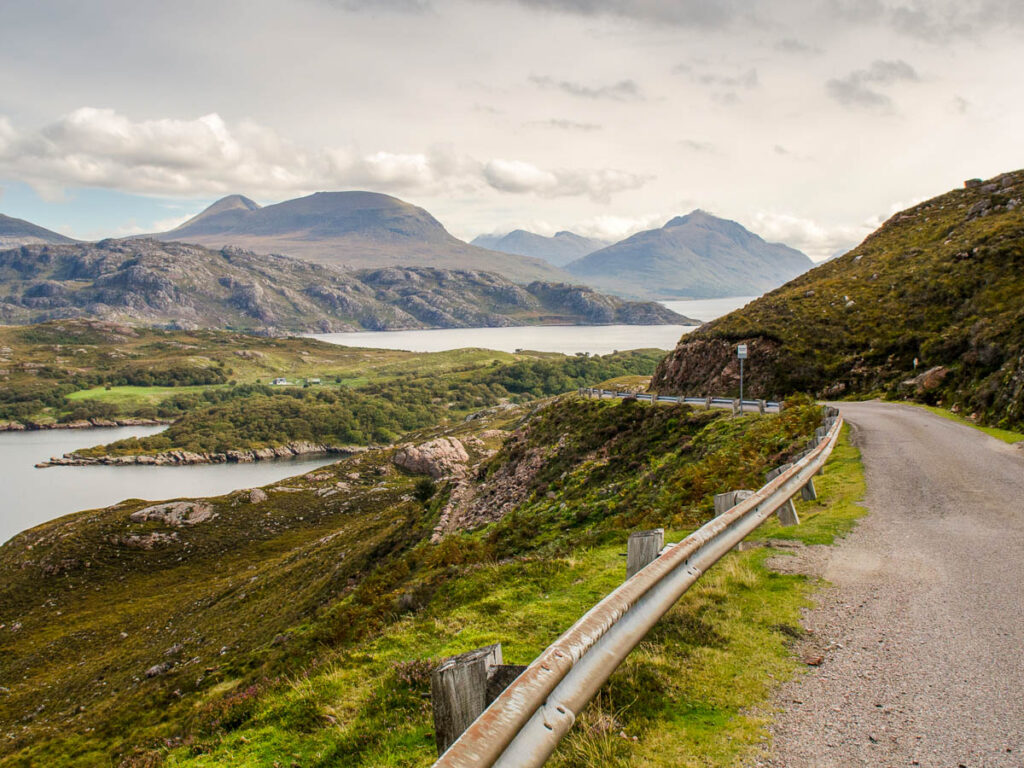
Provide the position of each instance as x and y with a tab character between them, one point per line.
35	426
188	458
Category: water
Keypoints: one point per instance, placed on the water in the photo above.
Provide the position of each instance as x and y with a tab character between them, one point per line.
708	309
567	339
30	496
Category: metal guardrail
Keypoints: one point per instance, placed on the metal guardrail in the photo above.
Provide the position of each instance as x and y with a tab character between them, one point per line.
719	401
523	725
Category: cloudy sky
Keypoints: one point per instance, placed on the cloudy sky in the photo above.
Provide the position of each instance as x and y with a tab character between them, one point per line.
808	121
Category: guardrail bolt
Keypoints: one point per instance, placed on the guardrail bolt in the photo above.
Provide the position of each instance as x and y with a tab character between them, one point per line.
787	512
643	549
463	686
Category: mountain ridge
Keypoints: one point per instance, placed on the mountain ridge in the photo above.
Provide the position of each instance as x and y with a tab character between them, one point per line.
15	232
188	286
697	255
354	229
559	249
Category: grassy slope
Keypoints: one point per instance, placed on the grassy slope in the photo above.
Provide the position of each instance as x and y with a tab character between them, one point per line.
300	592
684	694
938	282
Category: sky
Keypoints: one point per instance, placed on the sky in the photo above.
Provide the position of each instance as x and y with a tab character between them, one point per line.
810	122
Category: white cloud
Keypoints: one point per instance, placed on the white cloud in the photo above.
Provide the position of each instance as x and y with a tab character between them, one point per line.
615	228
813	238
520	177
204	157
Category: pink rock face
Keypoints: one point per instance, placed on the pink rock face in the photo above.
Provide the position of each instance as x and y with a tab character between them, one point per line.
438	458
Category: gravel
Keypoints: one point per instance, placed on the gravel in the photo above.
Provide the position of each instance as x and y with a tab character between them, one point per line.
919	643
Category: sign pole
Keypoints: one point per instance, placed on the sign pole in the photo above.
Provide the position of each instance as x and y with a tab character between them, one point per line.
741	353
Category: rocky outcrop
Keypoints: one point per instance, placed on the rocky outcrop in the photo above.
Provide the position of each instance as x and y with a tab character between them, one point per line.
183	458
187	286
927	381
701	365
174	513
443	457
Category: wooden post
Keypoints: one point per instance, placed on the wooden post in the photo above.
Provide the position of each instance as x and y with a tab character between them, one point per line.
463	687
642	549
726	501
761	407
787	512
654	398
707	403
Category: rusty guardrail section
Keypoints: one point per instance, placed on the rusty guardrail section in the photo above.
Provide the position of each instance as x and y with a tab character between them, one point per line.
524	724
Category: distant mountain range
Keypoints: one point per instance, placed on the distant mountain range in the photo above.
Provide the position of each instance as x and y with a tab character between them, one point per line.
15	232
559	249
189	286
354	230
692	256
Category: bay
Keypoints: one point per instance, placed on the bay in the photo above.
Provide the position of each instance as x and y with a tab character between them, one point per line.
30	496
567	339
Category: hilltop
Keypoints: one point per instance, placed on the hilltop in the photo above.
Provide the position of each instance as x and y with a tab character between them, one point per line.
559	249
350	229
188	286
692	256
929	306
16	232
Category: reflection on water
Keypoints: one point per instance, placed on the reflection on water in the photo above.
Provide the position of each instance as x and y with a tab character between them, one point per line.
30	496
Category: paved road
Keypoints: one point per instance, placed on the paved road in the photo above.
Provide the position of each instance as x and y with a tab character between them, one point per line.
925	625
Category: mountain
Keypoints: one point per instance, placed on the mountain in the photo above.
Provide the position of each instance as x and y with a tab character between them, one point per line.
559	250
155	283
692	256
930	306
15	232
350	229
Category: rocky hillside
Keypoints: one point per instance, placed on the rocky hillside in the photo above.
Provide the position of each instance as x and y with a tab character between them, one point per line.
931	306
692	256
186	286
15	232
350	229
559	249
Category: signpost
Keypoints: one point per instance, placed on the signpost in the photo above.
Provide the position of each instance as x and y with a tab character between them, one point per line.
741	353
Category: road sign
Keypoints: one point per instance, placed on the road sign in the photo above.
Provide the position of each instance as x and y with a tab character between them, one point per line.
741	351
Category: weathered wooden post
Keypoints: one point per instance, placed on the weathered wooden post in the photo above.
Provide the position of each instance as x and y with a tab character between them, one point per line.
707	403
737	407
726	501
654	398
643	549
807	492
787	512
761	407
463	686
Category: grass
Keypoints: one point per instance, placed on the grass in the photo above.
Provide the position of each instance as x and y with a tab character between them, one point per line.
1006	435
684	697
129	396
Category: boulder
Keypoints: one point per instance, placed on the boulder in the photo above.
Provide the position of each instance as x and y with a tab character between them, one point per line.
438	458
256	495
175	513
927	381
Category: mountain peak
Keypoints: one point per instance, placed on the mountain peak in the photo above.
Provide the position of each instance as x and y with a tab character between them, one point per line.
696	216
224	205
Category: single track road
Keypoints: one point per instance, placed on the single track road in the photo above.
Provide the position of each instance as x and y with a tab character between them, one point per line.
923	628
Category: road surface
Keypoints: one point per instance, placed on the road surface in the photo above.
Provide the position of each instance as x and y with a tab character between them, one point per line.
924	629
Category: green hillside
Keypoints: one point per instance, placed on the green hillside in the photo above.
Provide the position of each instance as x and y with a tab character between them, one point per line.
941	284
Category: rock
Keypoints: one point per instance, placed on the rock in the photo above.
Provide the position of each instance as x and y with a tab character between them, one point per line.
257	495
159	669
438	458
928	380
148	541
175	513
